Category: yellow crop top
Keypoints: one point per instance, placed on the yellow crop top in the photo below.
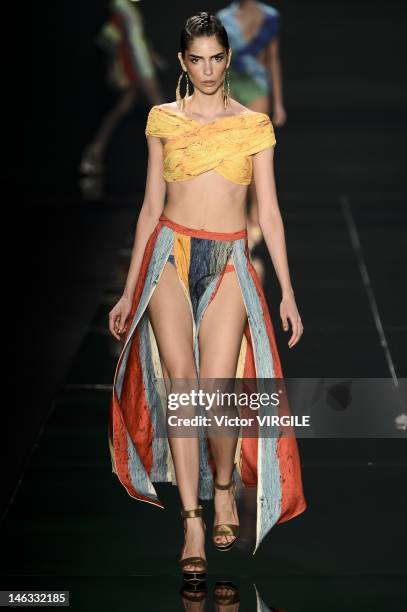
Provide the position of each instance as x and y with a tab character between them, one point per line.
224	145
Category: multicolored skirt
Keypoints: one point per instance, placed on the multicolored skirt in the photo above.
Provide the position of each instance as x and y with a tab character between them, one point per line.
139	450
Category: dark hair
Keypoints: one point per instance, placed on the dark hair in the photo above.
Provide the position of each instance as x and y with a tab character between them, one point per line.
203	24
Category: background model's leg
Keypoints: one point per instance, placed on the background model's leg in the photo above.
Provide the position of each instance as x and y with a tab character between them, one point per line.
93	156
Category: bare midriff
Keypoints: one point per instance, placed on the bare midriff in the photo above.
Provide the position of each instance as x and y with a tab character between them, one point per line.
207	202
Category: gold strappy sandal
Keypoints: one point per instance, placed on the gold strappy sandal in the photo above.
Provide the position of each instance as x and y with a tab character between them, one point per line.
200	575
225	529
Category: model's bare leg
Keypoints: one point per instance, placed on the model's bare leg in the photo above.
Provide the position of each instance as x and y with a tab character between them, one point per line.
94	153
152	91
170	318
123	107
220	337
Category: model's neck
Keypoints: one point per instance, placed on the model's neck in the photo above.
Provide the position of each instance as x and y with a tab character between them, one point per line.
204	104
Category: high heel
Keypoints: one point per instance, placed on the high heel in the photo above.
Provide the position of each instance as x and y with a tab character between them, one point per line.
225	529
198	576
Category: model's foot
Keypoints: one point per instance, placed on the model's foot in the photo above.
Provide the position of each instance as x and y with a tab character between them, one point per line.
225	512
194	543
92	160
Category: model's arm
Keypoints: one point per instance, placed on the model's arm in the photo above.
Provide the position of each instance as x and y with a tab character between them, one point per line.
272	227
150	212
275	71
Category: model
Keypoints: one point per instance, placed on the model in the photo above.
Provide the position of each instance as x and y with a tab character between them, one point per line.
255	73
193	307
131	71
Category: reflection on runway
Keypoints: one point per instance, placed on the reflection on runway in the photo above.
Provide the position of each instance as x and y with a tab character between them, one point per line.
225	596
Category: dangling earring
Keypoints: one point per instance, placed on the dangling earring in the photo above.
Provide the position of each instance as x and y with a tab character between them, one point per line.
226	90
180	99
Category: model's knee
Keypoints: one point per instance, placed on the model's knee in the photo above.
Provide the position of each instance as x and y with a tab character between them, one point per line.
183	385
181	372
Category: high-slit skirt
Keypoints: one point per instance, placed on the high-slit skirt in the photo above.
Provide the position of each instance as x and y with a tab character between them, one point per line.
139	448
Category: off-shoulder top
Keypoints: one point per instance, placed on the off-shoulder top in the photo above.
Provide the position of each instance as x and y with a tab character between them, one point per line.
224	145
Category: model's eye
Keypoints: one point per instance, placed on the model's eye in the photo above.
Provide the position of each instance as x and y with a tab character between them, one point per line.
219	58
194	60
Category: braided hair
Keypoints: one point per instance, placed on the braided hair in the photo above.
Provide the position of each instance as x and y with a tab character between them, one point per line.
203	24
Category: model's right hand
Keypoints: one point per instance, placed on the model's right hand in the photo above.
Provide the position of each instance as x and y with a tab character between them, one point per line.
118	317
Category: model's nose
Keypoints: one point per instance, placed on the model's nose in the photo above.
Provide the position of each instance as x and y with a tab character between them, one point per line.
208	70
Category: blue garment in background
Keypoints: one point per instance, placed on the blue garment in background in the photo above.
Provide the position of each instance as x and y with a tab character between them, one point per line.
244	58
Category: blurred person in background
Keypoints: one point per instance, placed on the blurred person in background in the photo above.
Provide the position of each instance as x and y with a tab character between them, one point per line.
131	71
255	72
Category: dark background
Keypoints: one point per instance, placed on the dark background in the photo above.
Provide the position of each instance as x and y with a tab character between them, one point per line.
345	93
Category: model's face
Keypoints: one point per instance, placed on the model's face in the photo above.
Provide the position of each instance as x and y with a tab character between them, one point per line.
205	61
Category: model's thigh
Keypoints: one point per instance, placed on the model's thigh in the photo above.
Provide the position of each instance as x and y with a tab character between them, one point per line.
221	330
171	320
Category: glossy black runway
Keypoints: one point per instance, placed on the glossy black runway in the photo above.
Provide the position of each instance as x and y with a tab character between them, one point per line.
67	522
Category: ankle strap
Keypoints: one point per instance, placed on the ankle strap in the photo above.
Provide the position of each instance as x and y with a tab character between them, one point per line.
192	513
228	485
223	486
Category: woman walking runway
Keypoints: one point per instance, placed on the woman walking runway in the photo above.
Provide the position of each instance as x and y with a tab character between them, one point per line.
193	307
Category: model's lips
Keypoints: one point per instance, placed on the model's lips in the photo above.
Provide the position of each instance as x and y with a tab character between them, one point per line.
209	82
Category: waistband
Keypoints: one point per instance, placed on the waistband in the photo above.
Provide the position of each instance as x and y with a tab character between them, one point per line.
197	233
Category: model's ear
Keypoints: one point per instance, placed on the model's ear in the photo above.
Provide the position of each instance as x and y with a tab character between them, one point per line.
181	61
229	58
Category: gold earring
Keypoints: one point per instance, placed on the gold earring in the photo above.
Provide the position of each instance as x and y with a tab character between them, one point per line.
180	99
226	91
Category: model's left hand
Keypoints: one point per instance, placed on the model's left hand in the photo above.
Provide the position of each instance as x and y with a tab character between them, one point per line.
289	312
279	115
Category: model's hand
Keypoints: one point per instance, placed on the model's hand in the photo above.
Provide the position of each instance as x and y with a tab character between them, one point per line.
118	317
289	313
279	115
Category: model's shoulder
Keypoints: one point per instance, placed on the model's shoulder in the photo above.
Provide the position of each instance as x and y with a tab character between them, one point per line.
172	106
169	108
156	120
237	108
240	109
162	119
166	105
